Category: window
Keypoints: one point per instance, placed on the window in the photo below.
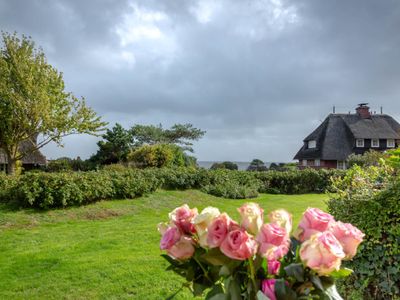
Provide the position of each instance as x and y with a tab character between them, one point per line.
341	165
317	162
359	143
304	162
312	144
375	143
390	143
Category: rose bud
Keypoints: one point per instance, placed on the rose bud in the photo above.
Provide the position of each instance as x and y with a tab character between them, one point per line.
183	249
314	220
349	237
252	217
239	245
202	221
183	217
268	288
274	242
218	230
322	253
282	218
273	267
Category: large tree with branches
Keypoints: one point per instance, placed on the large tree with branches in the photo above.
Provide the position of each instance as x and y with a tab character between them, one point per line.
34	103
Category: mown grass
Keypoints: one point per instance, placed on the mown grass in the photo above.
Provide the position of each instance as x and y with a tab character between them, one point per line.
107	250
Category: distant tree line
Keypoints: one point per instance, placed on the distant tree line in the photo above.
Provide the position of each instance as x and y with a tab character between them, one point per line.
255	165
140	146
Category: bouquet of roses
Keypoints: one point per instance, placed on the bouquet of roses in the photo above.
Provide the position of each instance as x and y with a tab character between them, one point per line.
224	259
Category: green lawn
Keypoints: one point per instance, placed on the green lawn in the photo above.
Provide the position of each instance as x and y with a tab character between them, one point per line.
107	250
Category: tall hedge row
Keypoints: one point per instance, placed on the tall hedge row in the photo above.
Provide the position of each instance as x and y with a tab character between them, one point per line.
46	190
369	198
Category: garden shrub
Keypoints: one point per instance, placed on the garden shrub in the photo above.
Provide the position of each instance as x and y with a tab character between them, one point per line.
157	156
47	190
231	184
297	181
369	198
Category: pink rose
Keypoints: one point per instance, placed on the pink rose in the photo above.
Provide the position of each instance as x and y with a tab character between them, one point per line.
218	230
202	221
273	267
183	217
282	218
322	253
348	236
314	220
274	242
239	245
170	237
268	288
183	249
252	217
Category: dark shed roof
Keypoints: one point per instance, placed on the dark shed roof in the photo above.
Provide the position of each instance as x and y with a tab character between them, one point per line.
335	137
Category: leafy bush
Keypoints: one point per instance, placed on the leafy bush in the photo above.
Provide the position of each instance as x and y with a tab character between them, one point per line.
47	190
369	199
231	184
224	165
297	181
369	158
157	156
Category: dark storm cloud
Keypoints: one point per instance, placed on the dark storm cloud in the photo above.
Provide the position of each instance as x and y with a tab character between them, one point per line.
257	75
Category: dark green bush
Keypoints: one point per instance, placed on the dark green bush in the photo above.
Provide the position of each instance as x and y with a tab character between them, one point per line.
230	184
46	190
370	199
297	181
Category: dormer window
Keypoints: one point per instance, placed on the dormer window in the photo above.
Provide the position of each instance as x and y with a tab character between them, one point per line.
312	144
390	143
375	143
360	143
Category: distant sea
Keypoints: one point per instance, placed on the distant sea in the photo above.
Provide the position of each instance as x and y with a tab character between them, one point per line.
242	165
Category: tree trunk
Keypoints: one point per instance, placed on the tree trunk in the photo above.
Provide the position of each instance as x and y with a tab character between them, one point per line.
11	165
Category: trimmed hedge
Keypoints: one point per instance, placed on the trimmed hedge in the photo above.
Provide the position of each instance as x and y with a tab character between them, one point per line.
46	190
370	199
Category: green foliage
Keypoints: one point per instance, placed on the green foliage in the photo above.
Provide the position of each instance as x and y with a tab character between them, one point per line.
369	158
33	101
369	199
393	158
297	181
115	146
257	165
179	134
157	156
64	164
224	165
230	184
47	190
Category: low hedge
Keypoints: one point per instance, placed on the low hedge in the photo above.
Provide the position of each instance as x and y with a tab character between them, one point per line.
46	190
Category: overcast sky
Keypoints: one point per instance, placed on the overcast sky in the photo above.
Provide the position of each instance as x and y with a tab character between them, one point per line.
258	75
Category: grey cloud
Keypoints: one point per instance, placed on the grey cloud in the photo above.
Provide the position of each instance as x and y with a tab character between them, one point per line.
256	73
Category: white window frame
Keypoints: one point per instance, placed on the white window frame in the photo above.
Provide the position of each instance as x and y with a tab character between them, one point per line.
390	143
304	164
317	162
341	165
360	143
372	143
312	144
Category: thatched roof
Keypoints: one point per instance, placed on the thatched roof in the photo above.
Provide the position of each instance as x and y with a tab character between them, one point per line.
335	137
36	158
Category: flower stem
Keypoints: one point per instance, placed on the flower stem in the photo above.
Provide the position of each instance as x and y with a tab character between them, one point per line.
202	267
252	274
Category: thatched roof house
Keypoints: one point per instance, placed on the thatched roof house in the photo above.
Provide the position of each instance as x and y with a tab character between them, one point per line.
340	135
30	161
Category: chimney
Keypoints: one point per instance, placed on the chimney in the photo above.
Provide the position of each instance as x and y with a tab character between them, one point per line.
363	110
